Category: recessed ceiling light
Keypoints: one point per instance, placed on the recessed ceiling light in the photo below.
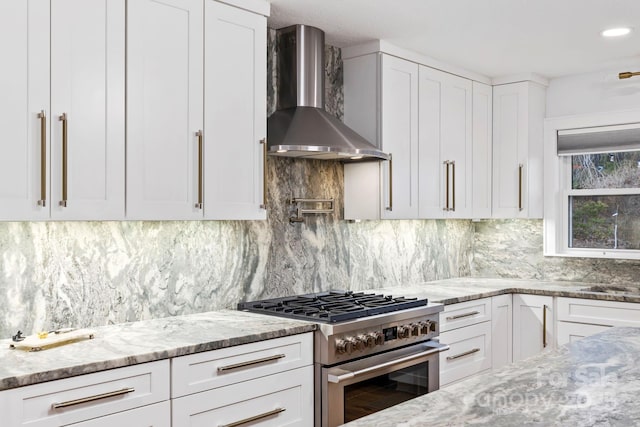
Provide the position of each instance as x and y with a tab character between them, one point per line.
616	32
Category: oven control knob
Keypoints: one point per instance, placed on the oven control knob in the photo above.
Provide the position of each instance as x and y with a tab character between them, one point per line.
361	342
369	340
378	338
403	331
344	346
415	329
425	327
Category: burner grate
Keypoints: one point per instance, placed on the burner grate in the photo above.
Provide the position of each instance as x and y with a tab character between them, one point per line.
333	306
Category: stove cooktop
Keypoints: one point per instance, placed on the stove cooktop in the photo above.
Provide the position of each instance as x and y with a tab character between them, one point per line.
332	307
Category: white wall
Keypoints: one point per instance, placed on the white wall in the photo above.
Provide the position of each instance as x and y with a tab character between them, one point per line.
594	92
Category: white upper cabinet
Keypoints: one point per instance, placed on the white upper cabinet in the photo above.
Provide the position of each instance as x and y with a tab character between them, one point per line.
24	85
381	103
164	109
518	122
399	120
446	145
482	158
235	112
437	128
73	50
87	109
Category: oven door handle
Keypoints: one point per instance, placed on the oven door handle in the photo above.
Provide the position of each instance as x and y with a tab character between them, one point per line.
435	347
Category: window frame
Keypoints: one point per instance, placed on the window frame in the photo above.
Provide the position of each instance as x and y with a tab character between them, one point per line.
558	183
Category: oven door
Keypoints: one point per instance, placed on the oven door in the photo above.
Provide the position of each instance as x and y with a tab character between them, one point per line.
355	389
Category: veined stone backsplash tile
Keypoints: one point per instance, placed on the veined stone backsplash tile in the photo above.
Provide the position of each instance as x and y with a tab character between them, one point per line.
513	249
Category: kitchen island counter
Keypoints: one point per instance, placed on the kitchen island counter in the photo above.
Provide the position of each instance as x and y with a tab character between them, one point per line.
594	381
128	344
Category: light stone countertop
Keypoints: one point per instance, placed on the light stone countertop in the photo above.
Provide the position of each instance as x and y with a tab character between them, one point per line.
462	289
594	381
127	344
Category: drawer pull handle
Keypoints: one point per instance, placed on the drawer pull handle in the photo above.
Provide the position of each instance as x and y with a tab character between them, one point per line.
254	418
92	398
466	353
250	363
460	316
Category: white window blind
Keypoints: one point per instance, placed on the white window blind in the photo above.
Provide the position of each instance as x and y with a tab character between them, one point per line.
603	139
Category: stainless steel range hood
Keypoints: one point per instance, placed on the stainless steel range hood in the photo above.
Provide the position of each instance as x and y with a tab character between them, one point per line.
301	127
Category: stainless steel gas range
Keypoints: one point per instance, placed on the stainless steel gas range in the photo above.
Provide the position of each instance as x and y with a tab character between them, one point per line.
372	351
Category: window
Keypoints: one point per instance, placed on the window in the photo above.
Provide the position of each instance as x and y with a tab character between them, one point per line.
593	191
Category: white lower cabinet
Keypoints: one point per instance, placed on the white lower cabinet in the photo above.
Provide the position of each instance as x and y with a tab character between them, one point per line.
266	383
123	395
567	332
578	318
469	353
156	415
466	328
275	400
501	330
533	322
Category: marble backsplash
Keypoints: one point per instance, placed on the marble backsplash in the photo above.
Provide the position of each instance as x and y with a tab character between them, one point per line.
58	274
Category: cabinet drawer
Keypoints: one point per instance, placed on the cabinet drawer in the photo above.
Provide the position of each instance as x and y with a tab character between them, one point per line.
217	368
287	396
570	332
605	313
469	353
133	386
465	314
156	415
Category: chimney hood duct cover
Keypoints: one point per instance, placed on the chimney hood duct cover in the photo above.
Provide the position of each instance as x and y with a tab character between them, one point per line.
301	127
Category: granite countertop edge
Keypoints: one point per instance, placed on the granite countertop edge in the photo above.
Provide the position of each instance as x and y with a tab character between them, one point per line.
108	350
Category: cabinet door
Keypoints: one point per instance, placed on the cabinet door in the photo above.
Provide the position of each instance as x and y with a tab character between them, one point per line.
518	121
235	112
87	89
24	89
501	330
400	138
156	415
445	148
482	150
571	332
509	150
532	325
164	108
284	399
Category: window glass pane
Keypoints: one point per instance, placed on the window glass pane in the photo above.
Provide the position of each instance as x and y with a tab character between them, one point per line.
614	170
605	222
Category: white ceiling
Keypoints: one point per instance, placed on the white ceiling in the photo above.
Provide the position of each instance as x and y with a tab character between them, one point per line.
496	38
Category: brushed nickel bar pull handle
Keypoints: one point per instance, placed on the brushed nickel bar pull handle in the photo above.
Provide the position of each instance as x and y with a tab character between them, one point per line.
250	363
466	353
254	418
544	326
446	185
390	207
520	167
92	398
199	204
43	158
453	186
433	349
263	141
63	118
460	316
